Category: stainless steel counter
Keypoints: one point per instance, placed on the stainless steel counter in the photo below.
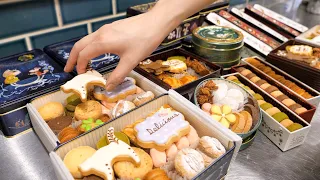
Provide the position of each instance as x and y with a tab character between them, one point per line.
24	158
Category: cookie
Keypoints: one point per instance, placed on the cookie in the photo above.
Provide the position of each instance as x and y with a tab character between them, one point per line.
161	129
255	79
280	116
248	119
207	160
102	161
271	89
176	66
245	72
276	93
265	86
77	156
300	110
89	124
156	67
288	102
250	75
282	97
159	158
272	111
59	123
143	98
88	109
188	163
92	177
293	107
121	107
172	152
294	127
240	123
128	170
266	106
193	138
260	102
187	79
67	134
211	147
127	87
286	123
173	82
182	143
260	82
51	110
257	96
156	174
197	66
231	78
81	82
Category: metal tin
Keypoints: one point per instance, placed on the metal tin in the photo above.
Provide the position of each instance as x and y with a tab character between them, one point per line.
221	45
23	77
60	52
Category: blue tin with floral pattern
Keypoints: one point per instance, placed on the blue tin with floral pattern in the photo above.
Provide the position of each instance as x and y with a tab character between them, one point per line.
61	51
25	76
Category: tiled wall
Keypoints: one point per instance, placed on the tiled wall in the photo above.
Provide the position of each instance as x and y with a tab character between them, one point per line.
29	24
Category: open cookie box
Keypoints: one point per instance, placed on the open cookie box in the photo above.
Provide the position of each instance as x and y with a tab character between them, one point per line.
46	135
315	100
302	71
277	133
304	36
186	90
217	170
307	116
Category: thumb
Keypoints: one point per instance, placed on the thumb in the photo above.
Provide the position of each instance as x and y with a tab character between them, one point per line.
125	66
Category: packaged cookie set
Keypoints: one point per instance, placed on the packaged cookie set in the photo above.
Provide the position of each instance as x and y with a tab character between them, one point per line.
311	36
83	104
23	77
159	140
280	124
299	106
60	52
300	89
177	69
229	104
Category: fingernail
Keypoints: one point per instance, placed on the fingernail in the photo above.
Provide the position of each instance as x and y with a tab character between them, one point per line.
110	87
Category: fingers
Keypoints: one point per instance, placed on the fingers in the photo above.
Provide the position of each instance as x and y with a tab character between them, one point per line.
125	66
77	48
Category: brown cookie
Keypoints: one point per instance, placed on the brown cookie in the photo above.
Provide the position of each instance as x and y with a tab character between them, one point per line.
92	177
270	89
57	124
260	82
250	75
240	69
156	67
294	107
267	70
282	97
67	133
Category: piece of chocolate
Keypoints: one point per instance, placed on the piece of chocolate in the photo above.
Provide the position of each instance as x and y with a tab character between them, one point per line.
260	82
57	124
270	89
293	107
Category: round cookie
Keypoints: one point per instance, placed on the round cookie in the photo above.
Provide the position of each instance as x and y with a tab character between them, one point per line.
127	170
300	110
156	174
266	106
280	116
282	97
294	127
272	111
260	82
211	147
260	102
51	110
231	78
77	156
245	72
276	93
271	89
288	102
257	96
250	75
240	69
294	107
59	123
286	123
255	79
67	133
265	86
193	138
88	109
188	163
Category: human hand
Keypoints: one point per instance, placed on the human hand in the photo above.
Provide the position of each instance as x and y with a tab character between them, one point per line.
133	39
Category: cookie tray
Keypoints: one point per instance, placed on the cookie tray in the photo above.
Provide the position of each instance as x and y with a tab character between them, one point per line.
46	135
285	90
299	70
314	101
303	37
204	126
187	89
277	133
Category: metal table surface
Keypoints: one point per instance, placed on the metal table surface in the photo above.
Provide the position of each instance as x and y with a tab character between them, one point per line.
23	157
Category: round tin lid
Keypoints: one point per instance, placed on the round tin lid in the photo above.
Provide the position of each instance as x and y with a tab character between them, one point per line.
217	37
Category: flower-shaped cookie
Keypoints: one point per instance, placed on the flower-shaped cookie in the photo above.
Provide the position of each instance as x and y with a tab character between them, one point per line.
89	124
223	114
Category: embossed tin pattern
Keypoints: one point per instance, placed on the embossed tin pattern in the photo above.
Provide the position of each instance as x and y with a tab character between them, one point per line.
23	77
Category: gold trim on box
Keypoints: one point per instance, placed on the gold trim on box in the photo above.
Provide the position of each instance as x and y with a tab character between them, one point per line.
202	47
239	39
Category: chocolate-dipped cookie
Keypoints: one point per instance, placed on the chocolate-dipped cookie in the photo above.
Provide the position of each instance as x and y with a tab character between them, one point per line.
59	123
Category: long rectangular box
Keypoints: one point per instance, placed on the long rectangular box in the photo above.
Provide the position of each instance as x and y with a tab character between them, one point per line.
204	126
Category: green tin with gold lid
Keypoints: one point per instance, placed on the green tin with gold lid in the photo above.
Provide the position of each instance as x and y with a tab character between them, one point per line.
220	45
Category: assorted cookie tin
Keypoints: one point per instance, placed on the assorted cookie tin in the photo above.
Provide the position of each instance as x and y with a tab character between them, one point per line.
25	76
311	36
61	52
220	45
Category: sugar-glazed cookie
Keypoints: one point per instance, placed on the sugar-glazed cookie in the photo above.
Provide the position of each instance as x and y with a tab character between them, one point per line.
102	161
77	156
211	147
143	98
127	87
188	163
121	107
161	129
127	170
80	83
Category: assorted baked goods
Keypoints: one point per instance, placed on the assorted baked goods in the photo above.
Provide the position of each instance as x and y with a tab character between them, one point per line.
273	91
268	70
162	146
302	53
273	111
228	104
176	71
79	114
